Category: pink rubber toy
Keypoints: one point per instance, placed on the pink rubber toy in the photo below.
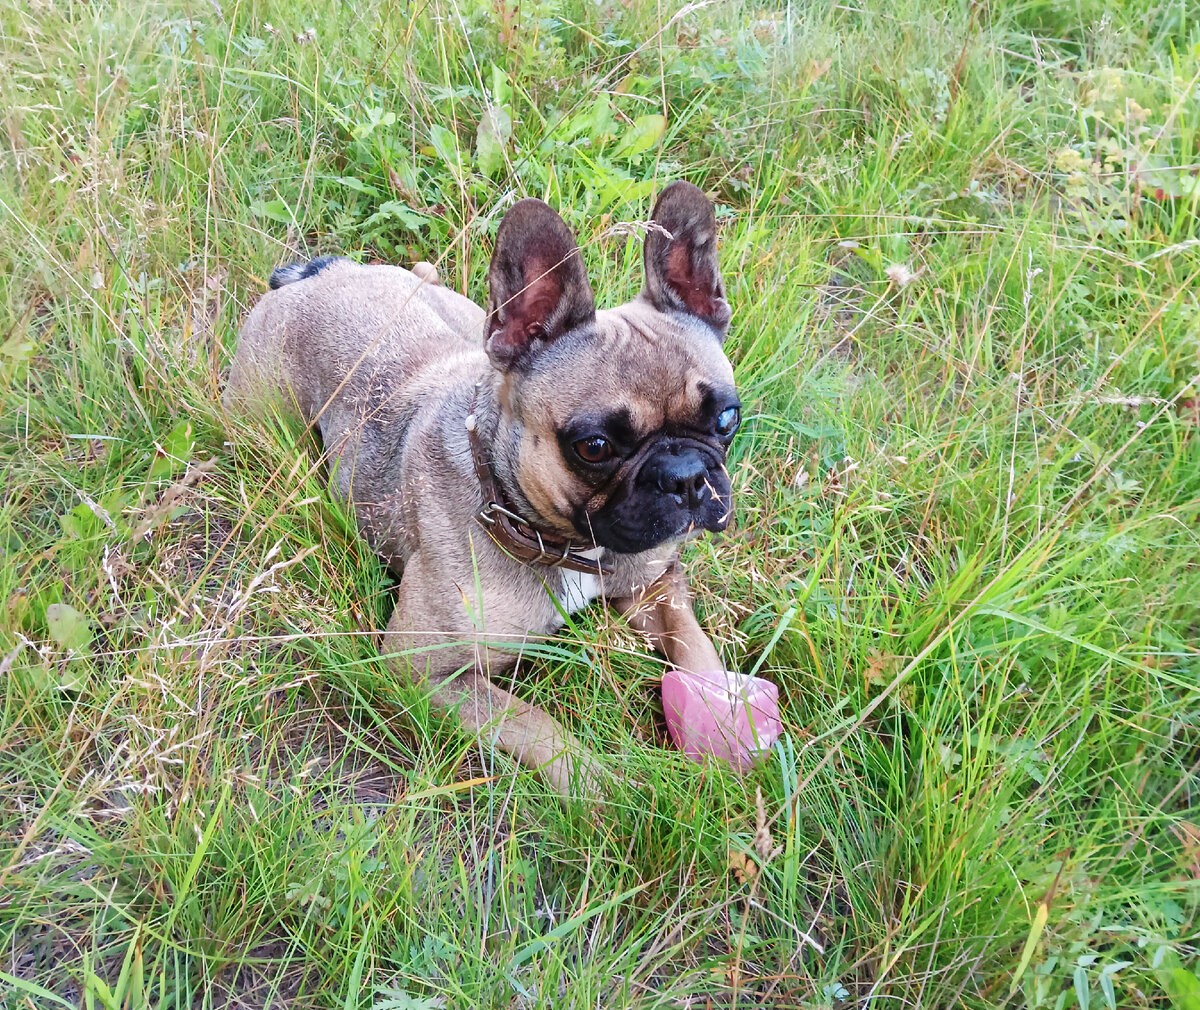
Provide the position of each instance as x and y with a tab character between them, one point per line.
729	715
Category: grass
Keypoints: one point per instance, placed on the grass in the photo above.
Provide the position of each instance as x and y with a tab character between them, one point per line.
961	244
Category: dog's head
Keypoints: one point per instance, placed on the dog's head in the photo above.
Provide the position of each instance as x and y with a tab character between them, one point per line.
614	424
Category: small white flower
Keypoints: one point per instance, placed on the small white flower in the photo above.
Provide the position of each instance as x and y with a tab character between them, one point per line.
900	275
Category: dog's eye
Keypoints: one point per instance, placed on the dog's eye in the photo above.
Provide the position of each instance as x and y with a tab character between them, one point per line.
728	421
594	449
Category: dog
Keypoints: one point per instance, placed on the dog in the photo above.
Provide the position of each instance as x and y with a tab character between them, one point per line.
514	463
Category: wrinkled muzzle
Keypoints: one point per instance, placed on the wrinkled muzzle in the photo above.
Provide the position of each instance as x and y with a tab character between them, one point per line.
671	487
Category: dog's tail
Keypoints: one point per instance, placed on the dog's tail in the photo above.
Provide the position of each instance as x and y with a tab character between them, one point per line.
293	272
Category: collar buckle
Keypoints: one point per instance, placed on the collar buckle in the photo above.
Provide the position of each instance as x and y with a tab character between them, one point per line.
512	533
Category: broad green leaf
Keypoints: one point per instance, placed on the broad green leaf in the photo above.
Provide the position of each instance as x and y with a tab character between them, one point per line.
93	518
81	522
501	89
351	182
445	144
174	452
1180	985
18	347
491	137
68	627
600	118
72	631
1166	181
376	117
274	210
618	191
1184	989
645	132
569	127
394	209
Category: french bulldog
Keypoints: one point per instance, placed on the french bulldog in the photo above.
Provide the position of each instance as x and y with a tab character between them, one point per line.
514	463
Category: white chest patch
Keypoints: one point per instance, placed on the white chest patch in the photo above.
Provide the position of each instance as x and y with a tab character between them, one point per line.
578	589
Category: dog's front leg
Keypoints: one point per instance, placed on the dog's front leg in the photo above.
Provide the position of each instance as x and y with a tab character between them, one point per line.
457	676
663	613
523	731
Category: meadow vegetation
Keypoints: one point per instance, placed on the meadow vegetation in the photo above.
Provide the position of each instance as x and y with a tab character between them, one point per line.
961	244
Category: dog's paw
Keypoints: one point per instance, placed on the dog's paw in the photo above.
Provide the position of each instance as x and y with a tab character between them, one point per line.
578	777
426	273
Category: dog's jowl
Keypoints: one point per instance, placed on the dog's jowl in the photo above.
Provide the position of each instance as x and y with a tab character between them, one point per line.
498	458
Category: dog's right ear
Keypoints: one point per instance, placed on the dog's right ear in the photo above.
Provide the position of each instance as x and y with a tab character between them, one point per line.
537	286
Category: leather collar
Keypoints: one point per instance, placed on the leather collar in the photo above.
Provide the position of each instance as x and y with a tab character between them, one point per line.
517	538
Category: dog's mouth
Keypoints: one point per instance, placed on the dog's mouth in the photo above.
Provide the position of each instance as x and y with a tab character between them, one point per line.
679	489
633	538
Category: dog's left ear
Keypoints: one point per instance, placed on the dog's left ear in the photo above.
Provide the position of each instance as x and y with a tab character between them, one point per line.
537	286
682	273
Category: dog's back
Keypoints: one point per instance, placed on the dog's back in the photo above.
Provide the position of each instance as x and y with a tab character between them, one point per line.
333	328
363	354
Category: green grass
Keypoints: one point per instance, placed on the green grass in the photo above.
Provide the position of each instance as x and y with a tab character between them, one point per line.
966	542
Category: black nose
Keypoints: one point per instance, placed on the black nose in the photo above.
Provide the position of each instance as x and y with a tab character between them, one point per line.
683	473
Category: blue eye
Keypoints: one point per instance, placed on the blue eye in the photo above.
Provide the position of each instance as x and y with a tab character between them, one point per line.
728	421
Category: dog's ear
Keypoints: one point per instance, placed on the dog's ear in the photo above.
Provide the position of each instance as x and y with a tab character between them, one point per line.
537	286
682	273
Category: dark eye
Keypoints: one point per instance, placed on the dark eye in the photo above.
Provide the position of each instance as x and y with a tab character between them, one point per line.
728	421
594	449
